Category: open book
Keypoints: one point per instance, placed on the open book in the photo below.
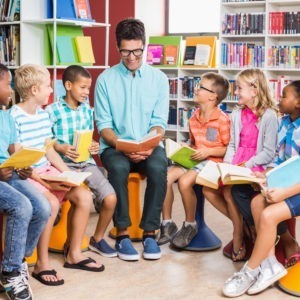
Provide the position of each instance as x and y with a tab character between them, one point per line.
150	141
68	178
213	173
26	156
180	154
82	142
286	174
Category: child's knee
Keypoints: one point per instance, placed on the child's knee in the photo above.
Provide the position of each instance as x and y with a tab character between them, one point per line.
110	201
81	197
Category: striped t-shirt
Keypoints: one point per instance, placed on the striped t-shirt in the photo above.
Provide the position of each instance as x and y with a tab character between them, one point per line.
32	130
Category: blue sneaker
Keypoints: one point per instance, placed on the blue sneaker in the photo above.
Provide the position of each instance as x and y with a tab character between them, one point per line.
151	249
102	248
126	250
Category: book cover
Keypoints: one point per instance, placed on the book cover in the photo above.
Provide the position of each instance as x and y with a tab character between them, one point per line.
170	55
84	49
82	9
24	158
68	178
64	48
151	140
285	175
82	141
154	54
180	154
189	55
202	55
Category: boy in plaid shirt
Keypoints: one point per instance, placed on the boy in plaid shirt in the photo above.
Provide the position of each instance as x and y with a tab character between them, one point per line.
71	113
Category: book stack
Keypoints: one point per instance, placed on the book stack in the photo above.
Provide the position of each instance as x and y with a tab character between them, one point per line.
284	56
188	84
287	22
184	114
10	45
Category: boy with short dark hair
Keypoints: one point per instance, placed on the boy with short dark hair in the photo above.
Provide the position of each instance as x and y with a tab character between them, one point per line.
71	113
26	208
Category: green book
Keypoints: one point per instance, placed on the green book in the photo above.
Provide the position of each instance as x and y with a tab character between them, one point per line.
180	154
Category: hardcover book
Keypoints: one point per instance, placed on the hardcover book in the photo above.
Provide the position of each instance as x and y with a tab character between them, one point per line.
84	49
68	178
189	55
82	9
154	54
170	55
284	175
82	141
180	154
202	55
150	141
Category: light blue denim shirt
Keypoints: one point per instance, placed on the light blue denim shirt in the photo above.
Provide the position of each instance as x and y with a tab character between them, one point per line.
131	105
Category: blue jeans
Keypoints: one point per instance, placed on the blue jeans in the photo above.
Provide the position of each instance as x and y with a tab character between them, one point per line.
154	168
27	213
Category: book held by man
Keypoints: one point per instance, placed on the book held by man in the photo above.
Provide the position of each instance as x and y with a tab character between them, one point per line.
149	141
68	178
284	175
82	142
180	154
26	156
213	173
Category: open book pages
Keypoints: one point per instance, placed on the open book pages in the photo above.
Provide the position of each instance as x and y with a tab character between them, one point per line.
68	178
149	141
286	174
180	154
213	173
82	141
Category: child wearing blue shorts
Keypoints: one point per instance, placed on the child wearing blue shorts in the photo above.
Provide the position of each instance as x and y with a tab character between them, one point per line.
277	205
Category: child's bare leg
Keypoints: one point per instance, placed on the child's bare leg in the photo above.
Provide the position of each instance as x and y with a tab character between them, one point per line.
266	232
239	250
189	199
81	200
215	197
42	263
105	216
174	173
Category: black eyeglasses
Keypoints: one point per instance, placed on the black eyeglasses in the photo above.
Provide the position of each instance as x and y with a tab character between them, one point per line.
204	88
135	52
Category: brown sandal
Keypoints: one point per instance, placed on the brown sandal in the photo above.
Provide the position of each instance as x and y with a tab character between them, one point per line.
240	254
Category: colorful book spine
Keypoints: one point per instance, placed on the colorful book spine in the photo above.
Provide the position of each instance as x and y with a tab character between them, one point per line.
284	56
287	22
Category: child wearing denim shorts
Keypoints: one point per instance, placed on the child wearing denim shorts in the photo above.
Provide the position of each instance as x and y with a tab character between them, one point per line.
277	205
27	210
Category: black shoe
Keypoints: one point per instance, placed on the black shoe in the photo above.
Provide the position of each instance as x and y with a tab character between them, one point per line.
16	287
167	232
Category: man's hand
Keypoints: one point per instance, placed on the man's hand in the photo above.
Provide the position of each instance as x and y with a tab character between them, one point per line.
95	147
6	173
139	156
24	173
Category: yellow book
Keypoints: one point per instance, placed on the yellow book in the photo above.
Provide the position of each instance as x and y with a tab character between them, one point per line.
82	142
84	49
26	156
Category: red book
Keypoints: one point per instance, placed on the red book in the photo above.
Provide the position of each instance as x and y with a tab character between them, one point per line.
82	9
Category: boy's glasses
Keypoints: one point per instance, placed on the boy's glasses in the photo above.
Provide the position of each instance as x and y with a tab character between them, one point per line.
135	52
205	89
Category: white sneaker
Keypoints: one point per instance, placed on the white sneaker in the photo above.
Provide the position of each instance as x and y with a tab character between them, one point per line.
239	283
271	271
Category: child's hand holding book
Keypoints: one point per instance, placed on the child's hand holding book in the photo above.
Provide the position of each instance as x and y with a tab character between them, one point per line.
67	150
6	173
201	154
24	173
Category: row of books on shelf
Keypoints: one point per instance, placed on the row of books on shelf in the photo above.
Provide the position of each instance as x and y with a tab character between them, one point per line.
10	45
242	55
72	46
285	56
9	10
287	22
70	9
244	23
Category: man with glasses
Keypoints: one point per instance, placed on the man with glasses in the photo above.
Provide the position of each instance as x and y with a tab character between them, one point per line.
132	99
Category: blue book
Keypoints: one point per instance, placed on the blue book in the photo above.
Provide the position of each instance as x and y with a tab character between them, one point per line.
64	9
64	48
286	174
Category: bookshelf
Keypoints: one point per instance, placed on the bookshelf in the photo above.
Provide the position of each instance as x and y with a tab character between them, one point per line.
34	46
263	34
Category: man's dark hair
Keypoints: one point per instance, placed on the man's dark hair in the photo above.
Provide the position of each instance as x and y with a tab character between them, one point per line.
72	72
130	29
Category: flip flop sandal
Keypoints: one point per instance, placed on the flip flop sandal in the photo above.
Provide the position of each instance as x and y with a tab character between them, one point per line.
235	255
82	265
292	260
38	276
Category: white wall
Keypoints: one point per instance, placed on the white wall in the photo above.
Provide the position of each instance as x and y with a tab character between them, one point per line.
152	13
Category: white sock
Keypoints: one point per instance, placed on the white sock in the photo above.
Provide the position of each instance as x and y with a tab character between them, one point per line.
253	272
194	224
165	222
